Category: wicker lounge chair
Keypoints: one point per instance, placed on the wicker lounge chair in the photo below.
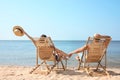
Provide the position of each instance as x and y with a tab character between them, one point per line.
95	54
45	50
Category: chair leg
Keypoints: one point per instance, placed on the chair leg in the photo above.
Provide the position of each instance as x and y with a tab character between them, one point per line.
46	65
80	61
65	64
104	68
79	64
53	67
98	66
62	65
87	70
34	69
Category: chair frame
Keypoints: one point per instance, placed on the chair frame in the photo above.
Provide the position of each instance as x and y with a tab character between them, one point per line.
45	61
83	60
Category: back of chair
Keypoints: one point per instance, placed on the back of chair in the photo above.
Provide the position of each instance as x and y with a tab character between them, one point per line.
45	48
96	51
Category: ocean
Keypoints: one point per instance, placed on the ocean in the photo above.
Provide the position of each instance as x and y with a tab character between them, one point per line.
23	52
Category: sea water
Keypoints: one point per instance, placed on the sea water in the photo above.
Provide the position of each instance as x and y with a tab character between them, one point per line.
23	52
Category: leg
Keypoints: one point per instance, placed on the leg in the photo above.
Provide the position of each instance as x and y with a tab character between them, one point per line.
61	53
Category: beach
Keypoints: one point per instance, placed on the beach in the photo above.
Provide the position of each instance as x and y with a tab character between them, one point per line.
66	26
22	73
16	61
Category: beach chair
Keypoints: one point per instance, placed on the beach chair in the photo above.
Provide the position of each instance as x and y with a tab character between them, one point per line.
45	50
96	54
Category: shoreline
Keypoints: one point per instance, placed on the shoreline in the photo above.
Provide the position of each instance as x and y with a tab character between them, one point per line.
13	72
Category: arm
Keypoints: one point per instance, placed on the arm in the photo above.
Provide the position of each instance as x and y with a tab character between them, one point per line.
107	39
30	38
85	47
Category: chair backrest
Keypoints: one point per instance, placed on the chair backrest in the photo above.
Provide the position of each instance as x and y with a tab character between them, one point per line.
45	48
96	51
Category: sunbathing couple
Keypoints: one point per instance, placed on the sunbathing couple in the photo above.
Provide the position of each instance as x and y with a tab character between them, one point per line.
21	32
85	47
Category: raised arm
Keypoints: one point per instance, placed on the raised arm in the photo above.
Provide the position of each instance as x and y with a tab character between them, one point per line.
30	38
19	31
107	39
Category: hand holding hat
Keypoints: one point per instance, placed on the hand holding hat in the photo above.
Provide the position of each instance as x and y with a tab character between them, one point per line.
18	31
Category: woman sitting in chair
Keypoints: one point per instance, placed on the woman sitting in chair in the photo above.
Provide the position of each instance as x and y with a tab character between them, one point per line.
87	47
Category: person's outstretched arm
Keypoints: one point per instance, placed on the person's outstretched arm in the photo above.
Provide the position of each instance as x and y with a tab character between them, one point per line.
78	50
30	38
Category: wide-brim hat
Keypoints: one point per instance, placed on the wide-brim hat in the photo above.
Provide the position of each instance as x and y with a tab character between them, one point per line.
18	31
97	36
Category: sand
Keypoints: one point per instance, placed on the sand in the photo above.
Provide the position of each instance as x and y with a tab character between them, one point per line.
22	73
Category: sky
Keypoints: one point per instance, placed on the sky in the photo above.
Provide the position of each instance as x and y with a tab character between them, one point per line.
60	19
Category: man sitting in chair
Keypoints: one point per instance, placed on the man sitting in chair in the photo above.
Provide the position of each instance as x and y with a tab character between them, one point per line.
60	52
20	32
87	47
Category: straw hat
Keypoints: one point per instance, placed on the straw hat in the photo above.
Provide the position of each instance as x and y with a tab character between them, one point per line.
97	36
18	31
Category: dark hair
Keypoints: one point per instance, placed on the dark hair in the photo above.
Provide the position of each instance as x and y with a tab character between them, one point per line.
43	35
